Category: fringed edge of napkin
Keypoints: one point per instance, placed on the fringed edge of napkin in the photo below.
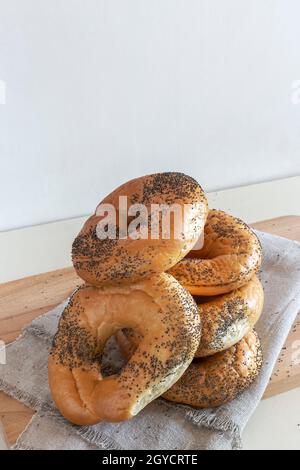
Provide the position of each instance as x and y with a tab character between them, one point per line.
24	397
199	418
205	418
208	419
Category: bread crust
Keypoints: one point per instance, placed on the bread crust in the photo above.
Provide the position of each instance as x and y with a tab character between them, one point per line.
227	318
128	260
231	255
163	313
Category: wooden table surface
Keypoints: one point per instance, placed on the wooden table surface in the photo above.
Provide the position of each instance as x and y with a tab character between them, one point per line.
25	299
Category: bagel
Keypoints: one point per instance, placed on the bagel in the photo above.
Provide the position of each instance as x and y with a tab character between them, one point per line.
226	319
160	309
231	255
125	260
218	379
214	380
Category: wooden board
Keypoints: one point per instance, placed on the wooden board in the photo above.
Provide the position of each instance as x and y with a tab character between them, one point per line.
25	299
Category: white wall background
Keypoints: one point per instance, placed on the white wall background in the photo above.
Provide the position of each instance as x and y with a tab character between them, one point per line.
100	91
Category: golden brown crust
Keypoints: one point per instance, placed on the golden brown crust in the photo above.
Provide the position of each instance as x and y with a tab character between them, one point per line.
127	260
227	318
231	255
218	379
166	317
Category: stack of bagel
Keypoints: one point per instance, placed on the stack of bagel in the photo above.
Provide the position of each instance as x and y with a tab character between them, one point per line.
182	314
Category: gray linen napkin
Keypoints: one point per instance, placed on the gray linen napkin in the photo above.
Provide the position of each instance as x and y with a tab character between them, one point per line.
161	425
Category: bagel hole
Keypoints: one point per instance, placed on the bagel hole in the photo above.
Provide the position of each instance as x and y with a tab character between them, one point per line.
199	360
199	299
112	360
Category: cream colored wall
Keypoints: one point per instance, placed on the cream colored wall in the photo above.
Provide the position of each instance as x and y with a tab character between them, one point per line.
99	91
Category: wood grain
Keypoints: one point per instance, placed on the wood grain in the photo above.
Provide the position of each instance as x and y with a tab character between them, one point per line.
286	373
25	299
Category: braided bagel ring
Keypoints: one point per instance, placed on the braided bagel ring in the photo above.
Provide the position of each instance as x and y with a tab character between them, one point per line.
225	319
231	255
124	260
215	380
160	309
